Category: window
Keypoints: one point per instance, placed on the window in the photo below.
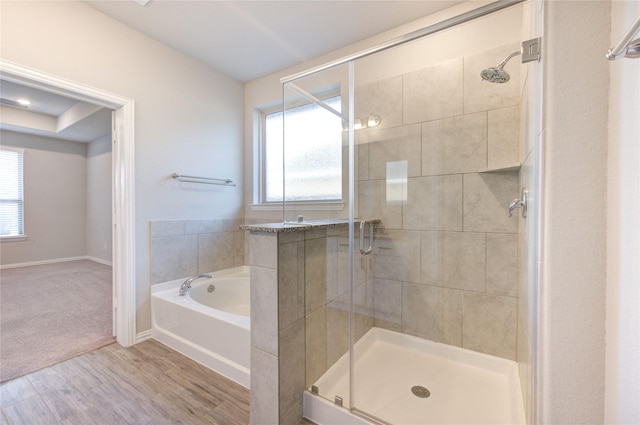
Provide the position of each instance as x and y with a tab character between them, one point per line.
11	195
313	154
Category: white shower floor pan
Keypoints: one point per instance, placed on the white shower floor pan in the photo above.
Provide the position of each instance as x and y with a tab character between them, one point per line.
465	387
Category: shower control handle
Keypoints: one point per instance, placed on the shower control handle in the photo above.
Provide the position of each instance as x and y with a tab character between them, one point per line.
520	203
368	250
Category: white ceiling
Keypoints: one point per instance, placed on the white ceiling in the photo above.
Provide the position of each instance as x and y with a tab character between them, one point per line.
43	116
249	39
41	102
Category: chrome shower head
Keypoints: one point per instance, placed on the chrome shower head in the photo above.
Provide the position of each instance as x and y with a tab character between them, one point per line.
497	74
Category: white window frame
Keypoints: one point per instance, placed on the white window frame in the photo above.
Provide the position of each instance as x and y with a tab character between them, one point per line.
260	202
262	180
22	235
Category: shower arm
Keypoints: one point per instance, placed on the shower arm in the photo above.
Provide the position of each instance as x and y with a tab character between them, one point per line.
626	43
507	59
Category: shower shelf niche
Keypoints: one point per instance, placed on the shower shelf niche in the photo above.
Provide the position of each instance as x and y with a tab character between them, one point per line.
515	166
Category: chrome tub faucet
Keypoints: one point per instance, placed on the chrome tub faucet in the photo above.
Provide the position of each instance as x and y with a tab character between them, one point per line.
186	285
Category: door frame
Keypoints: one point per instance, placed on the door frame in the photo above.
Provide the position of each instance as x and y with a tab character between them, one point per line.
123	184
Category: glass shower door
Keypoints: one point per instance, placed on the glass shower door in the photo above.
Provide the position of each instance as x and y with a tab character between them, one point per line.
315	173
436	147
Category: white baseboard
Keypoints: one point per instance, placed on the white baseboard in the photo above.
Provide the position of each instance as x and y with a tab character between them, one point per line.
143	336
38	263
99	260
56	260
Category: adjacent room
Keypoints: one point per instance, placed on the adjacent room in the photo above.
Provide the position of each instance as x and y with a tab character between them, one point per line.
56	232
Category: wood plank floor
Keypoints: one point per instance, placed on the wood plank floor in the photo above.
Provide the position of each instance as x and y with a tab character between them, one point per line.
148	383
144	384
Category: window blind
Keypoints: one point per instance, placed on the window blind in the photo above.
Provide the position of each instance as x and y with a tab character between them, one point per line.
11	193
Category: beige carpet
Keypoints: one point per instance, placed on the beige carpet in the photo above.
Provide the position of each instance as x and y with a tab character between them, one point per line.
51	313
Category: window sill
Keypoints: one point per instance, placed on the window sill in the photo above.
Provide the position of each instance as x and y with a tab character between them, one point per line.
13	238
310	206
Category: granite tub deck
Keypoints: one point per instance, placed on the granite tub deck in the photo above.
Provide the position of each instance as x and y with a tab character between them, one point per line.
304	226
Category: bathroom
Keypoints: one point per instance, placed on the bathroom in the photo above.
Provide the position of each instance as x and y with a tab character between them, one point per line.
572	321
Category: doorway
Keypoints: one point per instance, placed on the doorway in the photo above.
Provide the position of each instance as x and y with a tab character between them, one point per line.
122	166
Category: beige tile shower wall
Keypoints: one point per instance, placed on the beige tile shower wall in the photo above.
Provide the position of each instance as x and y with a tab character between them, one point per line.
265	365
291	325
300	315
327	298
181	248
445	258
277	327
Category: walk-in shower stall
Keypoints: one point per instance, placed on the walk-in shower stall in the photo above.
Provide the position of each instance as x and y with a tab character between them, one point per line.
414	152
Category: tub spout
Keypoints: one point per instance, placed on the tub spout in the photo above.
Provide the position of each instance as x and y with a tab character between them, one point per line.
186	285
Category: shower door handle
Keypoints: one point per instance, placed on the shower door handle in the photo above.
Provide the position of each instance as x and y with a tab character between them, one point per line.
520	203
368	250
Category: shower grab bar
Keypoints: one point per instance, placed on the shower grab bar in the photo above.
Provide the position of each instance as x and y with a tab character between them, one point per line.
367	251
627	47
203	180
314	99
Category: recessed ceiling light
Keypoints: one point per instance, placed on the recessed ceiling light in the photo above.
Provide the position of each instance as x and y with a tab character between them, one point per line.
13	103
23	102
142	2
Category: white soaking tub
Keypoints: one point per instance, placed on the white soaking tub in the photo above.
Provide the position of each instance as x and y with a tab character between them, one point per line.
211	324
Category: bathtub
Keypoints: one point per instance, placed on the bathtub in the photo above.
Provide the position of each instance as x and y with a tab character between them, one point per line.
211	324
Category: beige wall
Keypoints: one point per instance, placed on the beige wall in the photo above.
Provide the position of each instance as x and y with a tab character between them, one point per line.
573	279
622	381
99	243
67	200
188	117
55	190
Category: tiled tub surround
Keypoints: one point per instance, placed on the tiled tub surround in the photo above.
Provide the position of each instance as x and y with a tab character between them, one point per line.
445	260
182	248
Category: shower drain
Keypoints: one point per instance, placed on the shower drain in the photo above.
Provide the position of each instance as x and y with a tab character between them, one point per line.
420	391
